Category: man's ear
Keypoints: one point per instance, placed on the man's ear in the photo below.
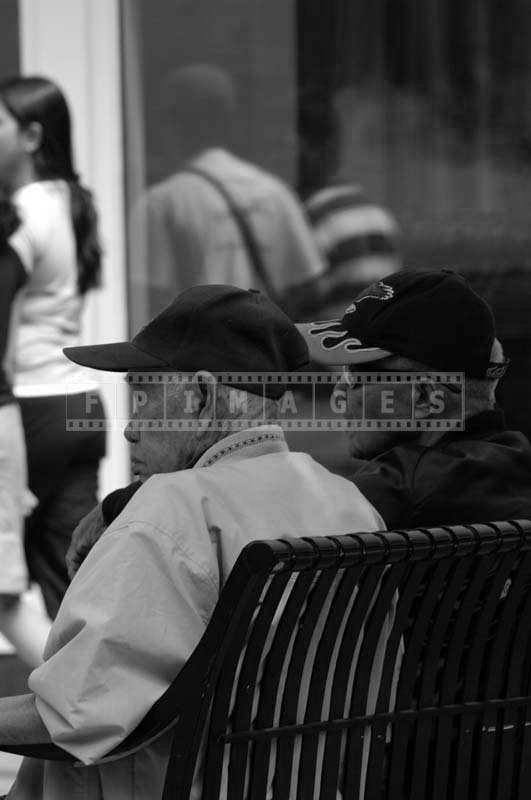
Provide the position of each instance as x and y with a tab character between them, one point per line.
205	387
424	398
32	137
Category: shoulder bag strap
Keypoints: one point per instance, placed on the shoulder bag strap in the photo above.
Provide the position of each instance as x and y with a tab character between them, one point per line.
248	238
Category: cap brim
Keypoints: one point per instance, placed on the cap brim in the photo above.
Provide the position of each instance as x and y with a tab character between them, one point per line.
331	344
113	357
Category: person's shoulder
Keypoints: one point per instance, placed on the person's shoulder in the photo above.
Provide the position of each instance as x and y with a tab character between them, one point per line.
308	465
498	451
36	215
40	194
333	485
155	502
333	197
388	481
225	164
42	206
288	472
167	185
161	191
31	193
460	457
179	191
403	457
165	483
349	203
275	183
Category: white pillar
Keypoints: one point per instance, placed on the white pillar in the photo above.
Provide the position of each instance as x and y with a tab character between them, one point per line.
77	44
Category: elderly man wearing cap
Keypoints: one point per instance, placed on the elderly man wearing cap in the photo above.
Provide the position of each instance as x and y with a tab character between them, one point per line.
418	322
205	492
428	322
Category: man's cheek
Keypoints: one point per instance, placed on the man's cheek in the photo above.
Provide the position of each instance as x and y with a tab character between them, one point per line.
354	403
355	445
164	454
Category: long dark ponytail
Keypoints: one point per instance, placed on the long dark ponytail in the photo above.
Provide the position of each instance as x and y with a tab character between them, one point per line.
36	99
9	219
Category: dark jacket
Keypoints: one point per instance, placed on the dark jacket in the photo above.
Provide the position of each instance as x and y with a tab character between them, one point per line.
481	474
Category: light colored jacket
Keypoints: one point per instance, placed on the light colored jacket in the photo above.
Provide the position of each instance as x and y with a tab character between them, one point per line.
141	601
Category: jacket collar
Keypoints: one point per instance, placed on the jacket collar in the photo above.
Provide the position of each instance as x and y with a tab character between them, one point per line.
491	421
249	443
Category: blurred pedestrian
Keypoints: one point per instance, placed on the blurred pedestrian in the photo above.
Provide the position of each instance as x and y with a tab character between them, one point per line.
358	239
217	218
24	625
58	245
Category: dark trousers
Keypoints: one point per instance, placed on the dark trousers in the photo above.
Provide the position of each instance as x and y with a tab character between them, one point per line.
63	475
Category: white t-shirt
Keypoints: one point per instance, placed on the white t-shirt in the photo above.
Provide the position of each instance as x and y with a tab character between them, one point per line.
48	312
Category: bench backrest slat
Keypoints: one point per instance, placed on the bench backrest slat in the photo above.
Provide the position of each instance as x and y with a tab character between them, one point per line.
363	667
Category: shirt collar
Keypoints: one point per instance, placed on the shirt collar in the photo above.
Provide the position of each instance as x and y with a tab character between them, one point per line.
249	443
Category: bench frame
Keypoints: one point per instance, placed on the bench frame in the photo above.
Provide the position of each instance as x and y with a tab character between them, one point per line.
452	714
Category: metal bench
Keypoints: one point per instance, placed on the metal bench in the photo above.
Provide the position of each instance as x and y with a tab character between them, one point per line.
293	686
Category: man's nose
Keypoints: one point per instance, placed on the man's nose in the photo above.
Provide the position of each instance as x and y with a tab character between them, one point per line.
131	432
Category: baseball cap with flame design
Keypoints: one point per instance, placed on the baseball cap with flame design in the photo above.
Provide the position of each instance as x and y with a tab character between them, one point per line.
430	316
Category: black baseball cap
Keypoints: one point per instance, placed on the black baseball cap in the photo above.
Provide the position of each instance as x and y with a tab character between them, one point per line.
430	316
217	328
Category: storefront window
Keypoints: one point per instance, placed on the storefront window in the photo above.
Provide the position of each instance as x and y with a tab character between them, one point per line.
252	43
423	103
432	102
9	51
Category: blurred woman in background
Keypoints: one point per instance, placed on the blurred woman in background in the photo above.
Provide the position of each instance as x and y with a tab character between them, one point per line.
21	622
58	245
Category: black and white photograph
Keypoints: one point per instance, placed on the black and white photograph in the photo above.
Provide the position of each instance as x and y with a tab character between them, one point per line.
265	400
